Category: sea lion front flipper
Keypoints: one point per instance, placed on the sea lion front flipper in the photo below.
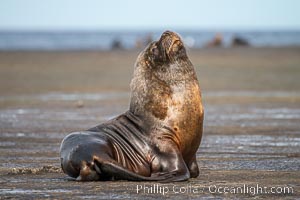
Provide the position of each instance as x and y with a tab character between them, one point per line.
168	160
193	167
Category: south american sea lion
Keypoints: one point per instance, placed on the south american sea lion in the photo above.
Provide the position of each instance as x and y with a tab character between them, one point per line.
158	137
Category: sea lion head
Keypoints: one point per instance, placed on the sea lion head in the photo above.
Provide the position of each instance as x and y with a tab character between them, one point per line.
172	46
168	49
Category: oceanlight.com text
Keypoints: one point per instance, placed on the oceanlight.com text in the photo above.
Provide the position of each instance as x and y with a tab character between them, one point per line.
257	189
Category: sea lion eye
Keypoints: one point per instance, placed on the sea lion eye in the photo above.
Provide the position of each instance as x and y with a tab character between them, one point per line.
155	51
156	55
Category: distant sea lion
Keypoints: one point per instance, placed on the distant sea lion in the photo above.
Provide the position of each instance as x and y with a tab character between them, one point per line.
157	139
238	41
217	41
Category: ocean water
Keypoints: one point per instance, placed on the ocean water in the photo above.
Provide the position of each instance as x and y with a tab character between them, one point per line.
106	40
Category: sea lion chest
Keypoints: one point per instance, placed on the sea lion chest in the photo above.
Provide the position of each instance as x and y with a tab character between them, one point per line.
185	115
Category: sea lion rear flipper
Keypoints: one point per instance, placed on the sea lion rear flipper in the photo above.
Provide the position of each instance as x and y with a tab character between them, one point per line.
173	176
119	172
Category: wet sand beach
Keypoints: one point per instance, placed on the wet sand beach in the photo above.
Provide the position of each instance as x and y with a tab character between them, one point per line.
251	130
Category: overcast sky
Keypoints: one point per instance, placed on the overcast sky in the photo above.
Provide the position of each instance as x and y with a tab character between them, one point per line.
150	14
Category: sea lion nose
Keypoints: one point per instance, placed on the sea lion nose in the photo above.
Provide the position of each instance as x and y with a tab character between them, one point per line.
171	36
167	32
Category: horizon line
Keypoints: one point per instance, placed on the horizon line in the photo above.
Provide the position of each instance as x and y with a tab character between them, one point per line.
151	29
